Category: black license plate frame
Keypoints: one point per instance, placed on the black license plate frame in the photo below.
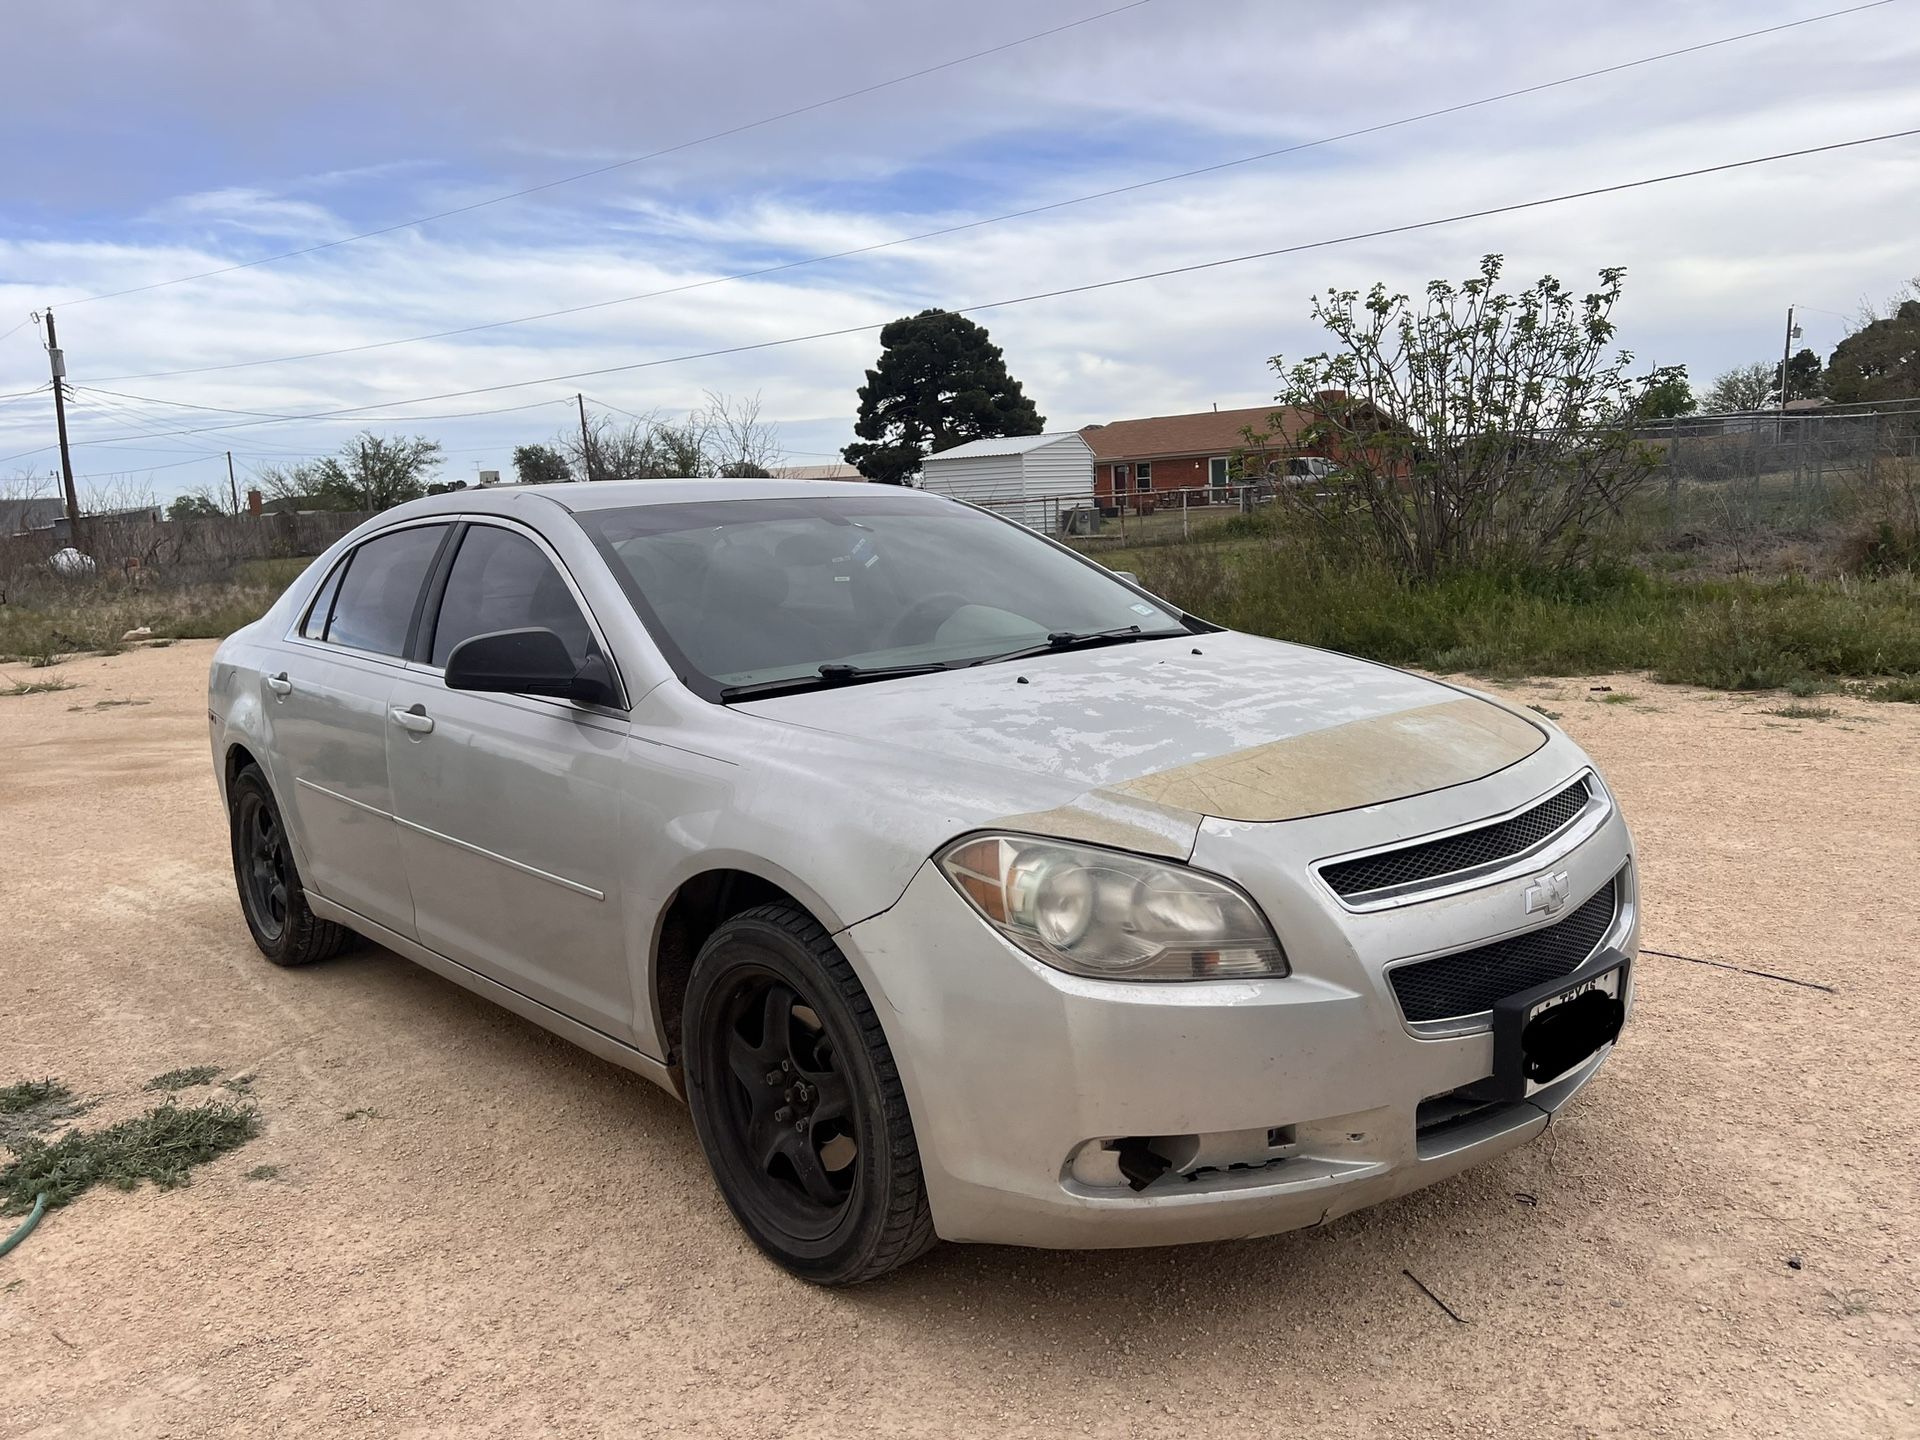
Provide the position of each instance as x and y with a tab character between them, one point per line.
1529	1056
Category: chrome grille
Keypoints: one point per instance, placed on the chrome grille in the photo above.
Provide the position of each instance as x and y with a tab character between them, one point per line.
1469	850
1470	981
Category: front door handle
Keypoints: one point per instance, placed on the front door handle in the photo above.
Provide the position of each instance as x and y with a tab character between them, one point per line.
413	718
280	684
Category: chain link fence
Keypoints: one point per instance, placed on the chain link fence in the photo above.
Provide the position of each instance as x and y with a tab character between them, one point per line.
1747	483
1099	520
1792	471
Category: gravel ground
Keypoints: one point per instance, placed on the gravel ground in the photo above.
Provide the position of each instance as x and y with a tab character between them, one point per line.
477	1229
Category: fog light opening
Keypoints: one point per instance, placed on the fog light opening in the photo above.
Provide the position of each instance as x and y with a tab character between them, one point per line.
1140	1163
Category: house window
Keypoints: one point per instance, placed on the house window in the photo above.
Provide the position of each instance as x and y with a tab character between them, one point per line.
1217	472
1143	475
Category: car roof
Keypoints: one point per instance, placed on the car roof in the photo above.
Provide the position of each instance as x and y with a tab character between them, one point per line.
611	494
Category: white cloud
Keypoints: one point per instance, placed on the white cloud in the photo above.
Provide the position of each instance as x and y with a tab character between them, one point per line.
1712	262
253	211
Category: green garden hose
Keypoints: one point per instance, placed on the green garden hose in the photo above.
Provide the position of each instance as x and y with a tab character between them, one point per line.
26	1226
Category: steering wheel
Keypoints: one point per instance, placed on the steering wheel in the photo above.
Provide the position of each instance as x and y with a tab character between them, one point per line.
919	621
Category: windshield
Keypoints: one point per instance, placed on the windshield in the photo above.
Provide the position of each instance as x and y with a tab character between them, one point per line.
755	591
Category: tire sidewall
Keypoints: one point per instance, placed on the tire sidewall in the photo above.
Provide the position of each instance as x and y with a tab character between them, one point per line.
249	784
755	943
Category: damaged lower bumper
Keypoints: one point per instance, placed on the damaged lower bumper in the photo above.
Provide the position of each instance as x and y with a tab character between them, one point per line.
1059	1111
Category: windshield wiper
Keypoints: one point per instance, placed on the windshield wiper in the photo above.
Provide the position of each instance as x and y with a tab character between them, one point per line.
826	677
1072	639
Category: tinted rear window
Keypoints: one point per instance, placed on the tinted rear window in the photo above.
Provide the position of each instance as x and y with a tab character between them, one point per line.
322	608
374	608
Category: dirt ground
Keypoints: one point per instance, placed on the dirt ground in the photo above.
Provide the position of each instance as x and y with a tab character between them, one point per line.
477	1230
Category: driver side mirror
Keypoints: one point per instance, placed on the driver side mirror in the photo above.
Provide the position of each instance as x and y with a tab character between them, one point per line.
533	661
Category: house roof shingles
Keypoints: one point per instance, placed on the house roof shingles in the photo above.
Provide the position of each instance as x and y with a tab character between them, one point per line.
1005	445
1210	432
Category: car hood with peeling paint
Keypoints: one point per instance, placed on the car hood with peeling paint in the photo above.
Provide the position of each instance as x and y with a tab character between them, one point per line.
1221	724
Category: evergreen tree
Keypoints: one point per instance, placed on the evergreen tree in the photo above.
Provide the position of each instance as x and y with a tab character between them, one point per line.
940	382
1880	361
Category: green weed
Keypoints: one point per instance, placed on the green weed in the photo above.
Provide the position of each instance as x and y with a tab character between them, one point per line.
1905	691
161	1145
33	1107
184	1078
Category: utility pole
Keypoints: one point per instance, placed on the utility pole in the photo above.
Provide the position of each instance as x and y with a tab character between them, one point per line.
233	485
1786	353
586	448
57	364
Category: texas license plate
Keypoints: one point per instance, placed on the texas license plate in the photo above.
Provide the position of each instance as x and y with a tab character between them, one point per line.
1542	1034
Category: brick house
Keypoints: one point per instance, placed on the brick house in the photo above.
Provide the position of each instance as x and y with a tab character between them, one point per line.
1138	459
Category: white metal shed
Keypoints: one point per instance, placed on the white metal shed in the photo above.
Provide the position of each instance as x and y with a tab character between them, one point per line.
1034	479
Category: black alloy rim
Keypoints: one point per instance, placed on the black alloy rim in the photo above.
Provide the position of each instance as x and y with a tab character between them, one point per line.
266	865
785	1123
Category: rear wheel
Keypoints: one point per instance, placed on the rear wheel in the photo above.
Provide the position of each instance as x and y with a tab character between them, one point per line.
798	1104
271	895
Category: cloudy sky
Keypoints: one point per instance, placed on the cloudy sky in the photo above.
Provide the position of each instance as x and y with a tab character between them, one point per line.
140	144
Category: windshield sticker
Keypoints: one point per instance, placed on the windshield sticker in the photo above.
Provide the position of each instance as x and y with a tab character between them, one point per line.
1141	608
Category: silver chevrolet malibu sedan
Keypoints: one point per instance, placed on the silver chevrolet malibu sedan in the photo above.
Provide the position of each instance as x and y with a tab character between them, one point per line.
960	886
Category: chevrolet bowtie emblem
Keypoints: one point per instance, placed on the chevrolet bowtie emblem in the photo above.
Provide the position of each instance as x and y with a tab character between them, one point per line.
1547	894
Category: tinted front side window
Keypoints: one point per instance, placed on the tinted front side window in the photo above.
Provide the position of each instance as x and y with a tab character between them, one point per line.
380	589
502	581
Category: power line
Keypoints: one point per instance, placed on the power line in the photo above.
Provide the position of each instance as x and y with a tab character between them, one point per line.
1022	214
122	416
267	418
739	129
609	405
147	417
276	415
149	469
1065	290
39	389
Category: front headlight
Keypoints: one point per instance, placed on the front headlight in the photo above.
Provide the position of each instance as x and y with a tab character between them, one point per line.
1112	915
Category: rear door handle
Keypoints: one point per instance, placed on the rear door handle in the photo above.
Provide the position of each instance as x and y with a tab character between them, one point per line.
280	684
413	718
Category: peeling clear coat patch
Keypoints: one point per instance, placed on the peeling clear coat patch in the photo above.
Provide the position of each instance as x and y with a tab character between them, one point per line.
1224	725
1102	817
1363	762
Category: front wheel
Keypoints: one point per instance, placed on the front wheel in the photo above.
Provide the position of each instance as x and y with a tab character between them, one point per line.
797	1102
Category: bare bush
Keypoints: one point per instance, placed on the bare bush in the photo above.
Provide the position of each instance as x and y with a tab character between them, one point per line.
1474	428
725	436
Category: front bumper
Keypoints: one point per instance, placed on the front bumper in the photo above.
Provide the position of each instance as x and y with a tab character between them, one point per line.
1285	1103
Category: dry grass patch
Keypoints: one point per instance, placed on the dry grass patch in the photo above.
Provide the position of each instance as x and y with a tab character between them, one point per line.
36	687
